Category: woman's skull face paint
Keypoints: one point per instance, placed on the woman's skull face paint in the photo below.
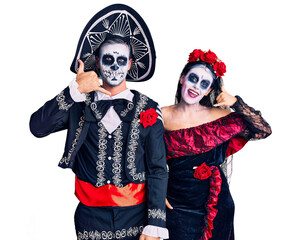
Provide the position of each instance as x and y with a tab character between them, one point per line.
114	63
196	84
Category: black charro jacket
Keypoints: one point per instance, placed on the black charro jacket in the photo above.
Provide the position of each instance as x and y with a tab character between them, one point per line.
145	158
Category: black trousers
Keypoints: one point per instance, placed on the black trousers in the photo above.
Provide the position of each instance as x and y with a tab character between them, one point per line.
97	223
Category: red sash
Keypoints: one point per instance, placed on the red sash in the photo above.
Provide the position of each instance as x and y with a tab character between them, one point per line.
109	195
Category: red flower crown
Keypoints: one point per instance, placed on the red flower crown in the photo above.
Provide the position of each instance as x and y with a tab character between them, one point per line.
209	57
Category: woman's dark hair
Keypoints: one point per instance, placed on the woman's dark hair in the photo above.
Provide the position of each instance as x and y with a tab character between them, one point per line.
216	85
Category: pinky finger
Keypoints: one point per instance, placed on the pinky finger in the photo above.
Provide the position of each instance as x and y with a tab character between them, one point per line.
221	104
100	89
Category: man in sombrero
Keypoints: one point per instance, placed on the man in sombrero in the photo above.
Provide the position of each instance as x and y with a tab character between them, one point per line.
114	141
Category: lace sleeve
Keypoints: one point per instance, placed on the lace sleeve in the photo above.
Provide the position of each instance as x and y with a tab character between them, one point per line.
257	127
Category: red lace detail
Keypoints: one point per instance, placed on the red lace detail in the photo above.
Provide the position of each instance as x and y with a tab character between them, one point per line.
215	188
203	138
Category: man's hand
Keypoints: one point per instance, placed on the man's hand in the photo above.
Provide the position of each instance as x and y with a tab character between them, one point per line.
88	81
225	99
144	237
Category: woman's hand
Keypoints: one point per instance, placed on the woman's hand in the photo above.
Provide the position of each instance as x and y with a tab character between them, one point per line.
168	204
225	99
88	81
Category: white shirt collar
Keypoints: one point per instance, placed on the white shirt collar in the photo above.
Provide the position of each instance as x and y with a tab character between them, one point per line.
126	94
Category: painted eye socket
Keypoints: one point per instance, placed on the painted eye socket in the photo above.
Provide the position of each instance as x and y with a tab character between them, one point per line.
107	60
193	78
205	84
121	61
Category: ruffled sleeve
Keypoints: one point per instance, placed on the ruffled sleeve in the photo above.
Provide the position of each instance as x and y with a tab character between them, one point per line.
257	127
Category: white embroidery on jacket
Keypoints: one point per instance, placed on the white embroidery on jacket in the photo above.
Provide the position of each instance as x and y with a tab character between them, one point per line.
134	136
88	99
94	109
116	166
78	131
102	146
157	213
60	98
129	107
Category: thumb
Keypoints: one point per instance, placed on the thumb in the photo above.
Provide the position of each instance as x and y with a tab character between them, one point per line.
223	88
81	66
142	237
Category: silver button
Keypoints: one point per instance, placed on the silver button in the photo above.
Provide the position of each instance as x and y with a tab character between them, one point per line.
109	158
108	182
110	136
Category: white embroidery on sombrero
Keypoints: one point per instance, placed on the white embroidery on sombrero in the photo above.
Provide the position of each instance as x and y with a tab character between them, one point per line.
105	23
141	65
95	39
136	31
139	49
133	72
120	26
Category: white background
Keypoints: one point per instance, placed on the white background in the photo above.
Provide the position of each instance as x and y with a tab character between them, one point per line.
258	40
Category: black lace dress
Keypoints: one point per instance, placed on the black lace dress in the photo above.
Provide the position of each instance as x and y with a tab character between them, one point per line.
198	190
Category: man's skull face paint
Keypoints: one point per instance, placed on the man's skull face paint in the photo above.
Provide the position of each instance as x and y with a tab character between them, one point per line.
196	84
114	63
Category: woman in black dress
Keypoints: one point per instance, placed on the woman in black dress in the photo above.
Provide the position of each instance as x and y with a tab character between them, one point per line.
200	134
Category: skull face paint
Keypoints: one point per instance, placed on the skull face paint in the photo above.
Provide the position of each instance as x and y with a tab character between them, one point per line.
196	84
114	63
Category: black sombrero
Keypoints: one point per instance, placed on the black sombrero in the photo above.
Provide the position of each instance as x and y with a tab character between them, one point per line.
123	22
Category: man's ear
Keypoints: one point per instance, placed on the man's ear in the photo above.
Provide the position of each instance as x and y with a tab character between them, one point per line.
208	92
130	64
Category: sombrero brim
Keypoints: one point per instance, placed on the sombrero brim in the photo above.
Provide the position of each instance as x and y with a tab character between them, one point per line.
121	21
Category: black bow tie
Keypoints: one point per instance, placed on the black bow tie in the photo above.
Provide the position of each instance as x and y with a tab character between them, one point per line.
97	110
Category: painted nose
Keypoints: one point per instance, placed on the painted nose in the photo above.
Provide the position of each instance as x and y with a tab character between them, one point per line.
114	67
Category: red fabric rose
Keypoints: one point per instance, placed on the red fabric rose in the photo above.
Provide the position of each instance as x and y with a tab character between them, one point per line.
219	68
148	117
202	172
197	53
209	57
